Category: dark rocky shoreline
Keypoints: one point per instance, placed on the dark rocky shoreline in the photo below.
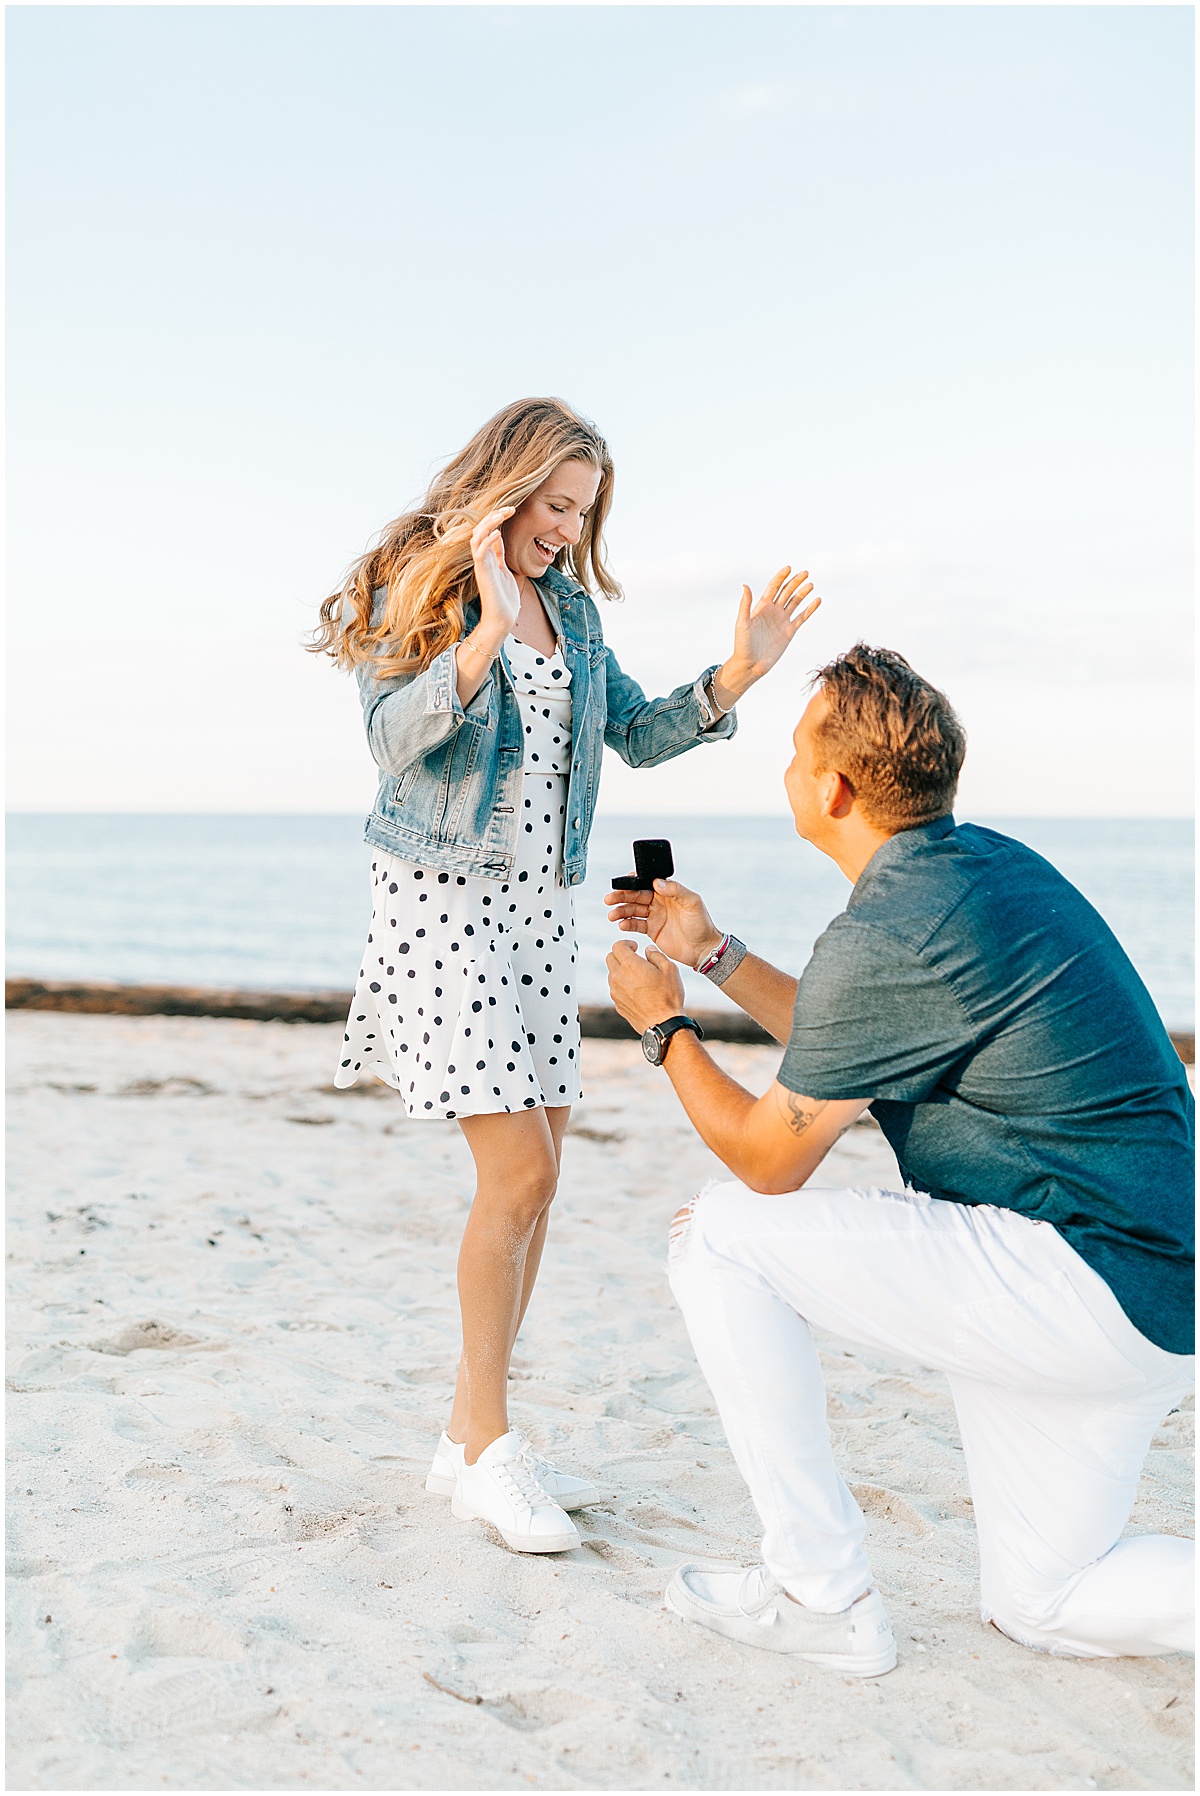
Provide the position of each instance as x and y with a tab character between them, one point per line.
100	997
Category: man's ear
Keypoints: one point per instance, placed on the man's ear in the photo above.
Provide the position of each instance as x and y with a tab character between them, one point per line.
840	797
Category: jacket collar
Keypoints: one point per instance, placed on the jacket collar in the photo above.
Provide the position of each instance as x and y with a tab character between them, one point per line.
563	598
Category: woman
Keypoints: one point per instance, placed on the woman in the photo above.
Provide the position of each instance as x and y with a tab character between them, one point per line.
488	697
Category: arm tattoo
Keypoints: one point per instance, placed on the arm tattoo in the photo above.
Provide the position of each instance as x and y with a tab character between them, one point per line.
802	1112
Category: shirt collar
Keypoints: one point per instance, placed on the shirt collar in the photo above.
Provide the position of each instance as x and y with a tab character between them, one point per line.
902	847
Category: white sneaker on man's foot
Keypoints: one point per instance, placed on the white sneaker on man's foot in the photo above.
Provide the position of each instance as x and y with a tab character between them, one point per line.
500	1488
568	1491
752	1606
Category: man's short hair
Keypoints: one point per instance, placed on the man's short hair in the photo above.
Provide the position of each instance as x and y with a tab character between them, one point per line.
892	736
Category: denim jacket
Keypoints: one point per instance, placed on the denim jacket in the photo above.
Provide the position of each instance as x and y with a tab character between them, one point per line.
451	776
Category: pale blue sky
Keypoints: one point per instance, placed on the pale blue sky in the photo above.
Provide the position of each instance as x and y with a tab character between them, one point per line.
902	294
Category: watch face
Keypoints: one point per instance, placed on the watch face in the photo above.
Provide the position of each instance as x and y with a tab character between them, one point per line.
652	1046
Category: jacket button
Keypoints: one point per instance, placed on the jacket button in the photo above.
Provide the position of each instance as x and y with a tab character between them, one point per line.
574	823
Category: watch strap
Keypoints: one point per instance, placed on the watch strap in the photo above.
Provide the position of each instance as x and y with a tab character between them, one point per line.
673	1025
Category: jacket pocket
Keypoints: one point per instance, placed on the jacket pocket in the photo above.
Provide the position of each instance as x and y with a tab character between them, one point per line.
403	786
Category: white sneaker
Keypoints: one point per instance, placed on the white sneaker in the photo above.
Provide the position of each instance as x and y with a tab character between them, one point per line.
500	1488
568	1492
752	1606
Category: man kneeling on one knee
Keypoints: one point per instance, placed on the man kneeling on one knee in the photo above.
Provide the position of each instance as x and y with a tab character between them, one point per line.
1039	1251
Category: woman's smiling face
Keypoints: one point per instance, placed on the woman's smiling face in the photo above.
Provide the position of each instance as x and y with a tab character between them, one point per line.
551	518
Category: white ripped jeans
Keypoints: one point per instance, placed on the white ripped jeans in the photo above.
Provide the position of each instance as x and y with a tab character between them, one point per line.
1057	1397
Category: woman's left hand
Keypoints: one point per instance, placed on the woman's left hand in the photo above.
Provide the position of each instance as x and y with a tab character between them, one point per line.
763	631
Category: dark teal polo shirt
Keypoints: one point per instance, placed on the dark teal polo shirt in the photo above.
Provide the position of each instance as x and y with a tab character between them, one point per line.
1012	1056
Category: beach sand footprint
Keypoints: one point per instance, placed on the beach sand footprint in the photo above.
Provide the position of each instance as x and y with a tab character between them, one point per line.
531	1710
140	1335
169	1702
880	1504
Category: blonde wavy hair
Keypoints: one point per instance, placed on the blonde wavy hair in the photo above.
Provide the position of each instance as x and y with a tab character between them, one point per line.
424	557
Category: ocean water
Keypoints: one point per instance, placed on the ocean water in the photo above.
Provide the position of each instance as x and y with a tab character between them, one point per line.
282	902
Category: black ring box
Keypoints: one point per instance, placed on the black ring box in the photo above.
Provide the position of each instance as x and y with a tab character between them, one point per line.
653	860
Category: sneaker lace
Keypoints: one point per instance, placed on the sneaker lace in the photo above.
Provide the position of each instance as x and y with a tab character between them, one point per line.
531	1458
521	1482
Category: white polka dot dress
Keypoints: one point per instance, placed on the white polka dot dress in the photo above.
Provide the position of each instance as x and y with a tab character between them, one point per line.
466	999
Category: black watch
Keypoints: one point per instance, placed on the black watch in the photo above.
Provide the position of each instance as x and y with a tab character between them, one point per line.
657	1036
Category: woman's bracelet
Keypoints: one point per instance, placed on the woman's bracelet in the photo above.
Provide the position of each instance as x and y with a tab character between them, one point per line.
725	959
710	686
466	643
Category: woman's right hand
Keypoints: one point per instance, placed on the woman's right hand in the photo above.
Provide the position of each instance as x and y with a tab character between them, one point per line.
675	919
499	592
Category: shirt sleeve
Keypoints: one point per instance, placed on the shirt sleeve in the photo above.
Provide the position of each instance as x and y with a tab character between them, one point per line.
871	1020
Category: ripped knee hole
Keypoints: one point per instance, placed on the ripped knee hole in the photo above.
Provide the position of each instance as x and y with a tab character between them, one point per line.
681	1226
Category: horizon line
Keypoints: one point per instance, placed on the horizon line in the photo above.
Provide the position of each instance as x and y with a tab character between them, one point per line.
1025	816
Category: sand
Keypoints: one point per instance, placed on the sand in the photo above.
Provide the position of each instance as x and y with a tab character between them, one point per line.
233	1337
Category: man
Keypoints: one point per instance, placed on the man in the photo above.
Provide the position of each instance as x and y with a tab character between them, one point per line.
1040	1252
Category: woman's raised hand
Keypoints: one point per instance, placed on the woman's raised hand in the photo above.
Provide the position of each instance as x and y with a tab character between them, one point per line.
675	919
763	630
499	592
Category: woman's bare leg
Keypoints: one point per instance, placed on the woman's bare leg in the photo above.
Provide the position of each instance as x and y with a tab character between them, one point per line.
558	1118
516	1165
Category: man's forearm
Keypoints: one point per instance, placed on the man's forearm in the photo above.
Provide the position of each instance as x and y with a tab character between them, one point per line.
764	993
717	1106
773	1143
